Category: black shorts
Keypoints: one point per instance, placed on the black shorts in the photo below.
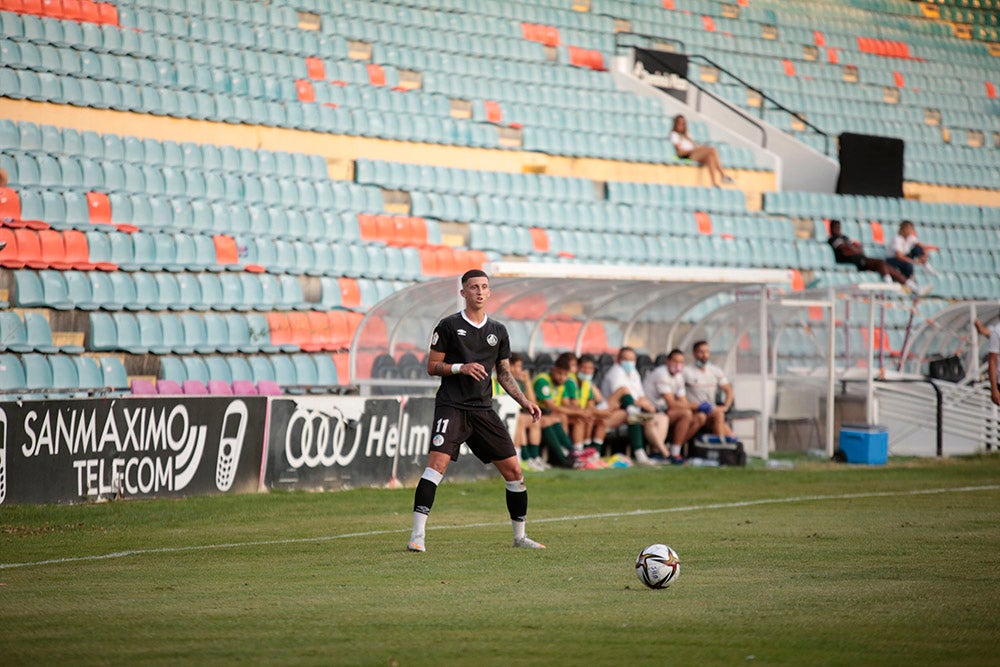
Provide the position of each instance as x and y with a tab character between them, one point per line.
482	430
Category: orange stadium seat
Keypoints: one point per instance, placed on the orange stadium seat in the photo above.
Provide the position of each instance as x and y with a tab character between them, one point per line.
10	204
305	91
99	208
281	331
376	75
539	239
350	293
368	226
878	234
77	250
316	69
226	253
53	249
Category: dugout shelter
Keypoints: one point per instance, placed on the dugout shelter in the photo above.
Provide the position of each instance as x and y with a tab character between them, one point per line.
580	308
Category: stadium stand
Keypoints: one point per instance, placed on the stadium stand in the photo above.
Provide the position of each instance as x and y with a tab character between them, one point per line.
187	253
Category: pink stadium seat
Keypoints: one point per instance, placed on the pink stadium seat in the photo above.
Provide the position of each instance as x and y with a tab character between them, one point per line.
142	387
220	388
244	388
194	388
268	388
168	388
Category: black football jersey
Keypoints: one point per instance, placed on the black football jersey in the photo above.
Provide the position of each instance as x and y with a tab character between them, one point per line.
463	342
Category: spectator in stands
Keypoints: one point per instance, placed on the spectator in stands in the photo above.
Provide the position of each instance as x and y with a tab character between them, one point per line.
849	251
905	252
704	155
558	395
702	381
623	388
527	431
993	360
665	385
606	418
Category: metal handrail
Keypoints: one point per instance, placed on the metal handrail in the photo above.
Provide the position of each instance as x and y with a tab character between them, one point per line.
741	111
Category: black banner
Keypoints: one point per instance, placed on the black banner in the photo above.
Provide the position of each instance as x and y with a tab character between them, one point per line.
666	71
870	165
339	442
72	450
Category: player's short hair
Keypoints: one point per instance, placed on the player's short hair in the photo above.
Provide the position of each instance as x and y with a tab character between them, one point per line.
674	351
586	358
473	273
516	357
565	361
698	344
624	350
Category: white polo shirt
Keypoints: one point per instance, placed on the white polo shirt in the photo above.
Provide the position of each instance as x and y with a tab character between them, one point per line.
660	382
995	339
616	378
702	383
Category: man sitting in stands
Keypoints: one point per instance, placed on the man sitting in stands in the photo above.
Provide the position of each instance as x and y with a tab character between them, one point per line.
849	251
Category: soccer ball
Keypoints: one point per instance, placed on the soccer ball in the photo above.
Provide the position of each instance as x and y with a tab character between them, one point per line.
658	566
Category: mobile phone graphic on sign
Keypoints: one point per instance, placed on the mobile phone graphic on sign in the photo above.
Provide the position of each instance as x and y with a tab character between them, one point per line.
234	426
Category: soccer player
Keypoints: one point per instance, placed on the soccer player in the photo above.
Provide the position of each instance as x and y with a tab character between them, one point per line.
464	349
591	398
558	394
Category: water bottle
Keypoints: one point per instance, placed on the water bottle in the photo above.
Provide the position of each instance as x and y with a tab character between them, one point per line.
703	463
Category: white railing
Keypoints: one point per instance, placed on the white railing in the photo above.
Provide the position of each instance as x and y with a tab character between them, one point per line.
970	422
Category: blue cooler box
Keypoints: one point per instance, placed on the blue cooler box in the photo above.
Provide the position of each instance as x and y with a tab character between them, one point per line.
865	443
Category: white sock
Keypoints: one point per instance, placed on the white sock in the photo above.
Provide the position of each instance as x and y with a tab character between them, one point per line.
911	284
675	450
432	475
419	524
519	530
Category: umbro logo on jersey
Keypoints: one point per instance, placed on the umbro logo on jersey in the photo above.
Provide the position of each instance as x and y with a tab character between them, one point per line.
461	332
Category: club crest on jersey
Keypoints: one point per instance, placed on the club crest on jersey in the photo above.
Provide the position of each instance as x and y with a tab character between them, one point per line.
461	332
492	339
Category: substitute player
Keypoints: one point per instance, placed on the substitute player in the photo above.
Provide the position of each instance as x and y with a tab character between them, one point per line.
464	349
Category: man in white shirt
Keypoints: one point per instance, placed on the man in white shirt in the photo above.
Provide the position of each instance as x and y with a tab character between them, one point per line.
993	359
703	381
666	385
622	386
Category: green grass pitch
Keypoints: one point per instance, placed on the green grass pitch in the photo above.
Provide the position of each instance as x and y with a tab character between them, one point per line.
824	564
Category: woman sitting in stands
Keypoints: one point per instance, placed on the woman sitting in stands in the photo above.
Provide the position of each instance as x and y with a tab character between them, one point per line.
704	155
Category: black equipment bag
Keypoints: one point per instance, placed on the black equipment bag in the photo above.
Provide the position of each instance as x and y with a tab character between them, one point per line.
710	448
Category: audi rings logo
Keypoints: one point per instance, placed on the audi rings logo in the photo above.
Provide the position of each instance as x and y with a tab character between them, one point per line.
315	439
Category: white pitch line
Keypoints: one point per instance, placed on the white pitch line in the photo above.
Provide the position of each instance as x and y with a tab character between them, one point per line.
576	517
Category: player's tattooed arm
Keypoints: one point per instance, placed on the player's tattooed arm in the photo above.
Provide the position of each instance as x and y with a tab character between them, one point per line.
509	384
436	365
